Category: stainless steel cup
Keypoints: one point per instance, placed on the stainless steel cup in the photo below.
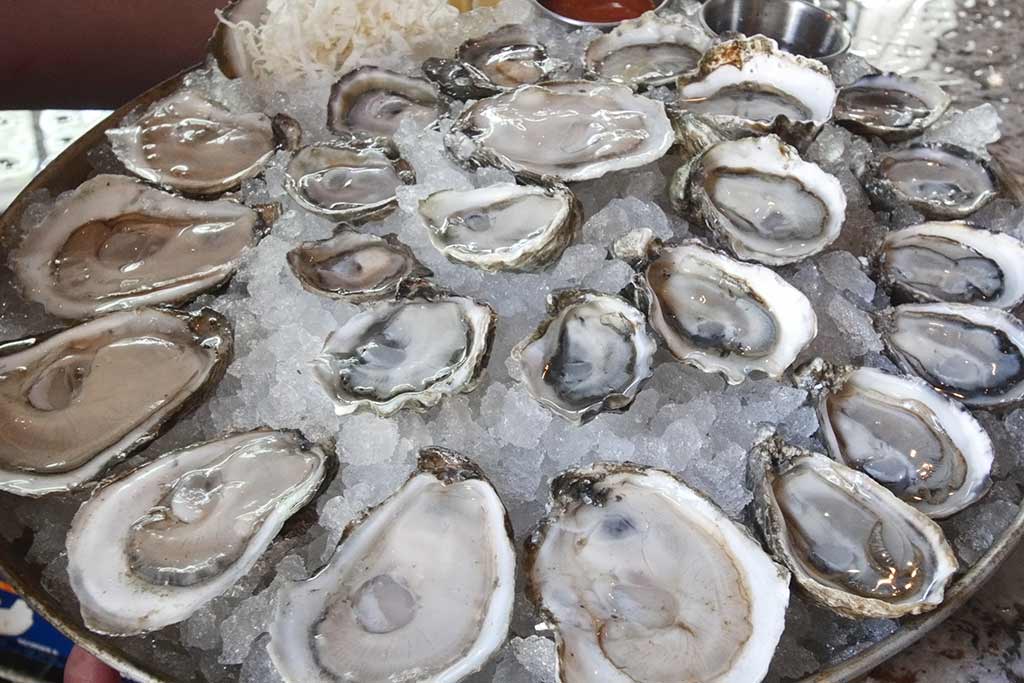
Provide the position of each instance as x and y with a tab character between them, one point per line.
798	26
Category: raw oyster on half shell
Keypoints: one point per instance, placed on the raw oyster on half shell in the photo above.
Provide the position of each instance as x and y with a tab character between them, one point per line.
420	588
645	579
890	106
115	243
722	315
850	543
648	51
970	353
925	448
570	130
938	179
354	266
592	354
412	351
762	200
188	143
373	101
955	263
150	548
75	402
348	179
503	226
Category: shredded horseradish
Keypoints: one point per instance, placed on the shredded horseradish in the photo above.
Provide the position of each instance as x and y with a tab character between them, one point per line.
301	39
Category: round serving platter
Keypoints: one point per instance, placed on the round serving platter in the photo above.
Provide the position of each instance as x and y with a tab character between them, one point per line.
71	169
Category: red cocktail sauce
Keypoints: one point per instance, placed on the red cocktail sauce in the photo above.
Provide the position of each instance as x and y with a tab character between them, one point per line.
599	10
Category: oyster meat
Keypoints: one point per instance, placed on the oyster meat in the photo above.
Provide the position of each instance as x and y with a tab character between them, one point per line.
938	179
187	143
503	226
890	106
420	588
743	86
645	579
423	345
509	57
348	179
150	548
722	315
762	200
570	130
850	543
115	243
648	51
355	266
970	353
953	262
925	448
73	403
593	353
374	101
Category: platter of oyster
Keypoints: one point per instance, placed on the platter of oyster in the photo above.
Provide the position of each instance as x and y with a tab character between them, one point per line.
515	352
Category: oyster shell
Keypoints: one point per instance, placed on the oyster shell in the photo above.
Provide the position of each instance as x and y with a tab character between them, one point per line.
354	266
188	143
503	226
645	579
509	57
350	179
743	86
115	243
73	403
970	353
373	101
762	200
722	315
925	448
890	106
420	589
411	351
228	46
149	549
938	179
953	262
648	51
850	543
570	130
592	354
459	80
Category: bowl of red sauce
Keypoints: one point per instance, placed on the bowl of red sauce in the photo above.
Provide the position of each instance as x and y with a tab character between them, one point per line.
599	13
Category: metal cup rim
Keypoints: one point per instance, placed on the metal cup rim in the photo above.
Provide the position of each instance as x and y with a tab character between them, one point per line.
828	15
582	23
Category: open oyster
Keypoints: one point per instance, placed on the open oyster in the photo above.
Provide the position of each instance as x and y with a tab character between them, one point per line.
571	130
420	588
743	86
115	243
850	543
953	262
593	353
354	266
925	448
503	226
938	179
762	200
509	57
722	315
149	549
373	101
411	351
75	402
645	579
651	50
890	106
187	143
970	353
349	179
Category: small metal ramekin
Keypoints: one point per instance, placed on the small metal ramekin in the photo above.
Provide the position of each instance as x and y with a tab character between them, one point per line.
798	26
